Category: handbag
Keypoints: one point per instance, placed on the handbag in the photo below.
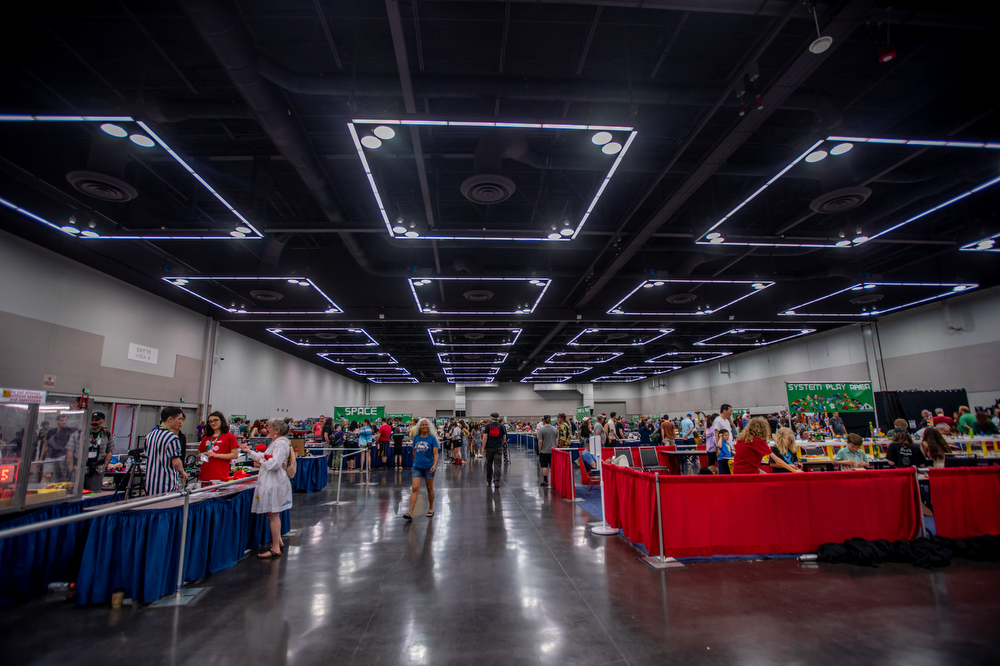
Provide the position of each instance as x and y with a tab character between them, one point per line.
292	466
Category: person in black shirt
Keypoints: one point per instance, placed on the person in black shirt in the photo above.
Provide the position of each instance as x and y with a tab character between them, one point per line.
902	453
496	442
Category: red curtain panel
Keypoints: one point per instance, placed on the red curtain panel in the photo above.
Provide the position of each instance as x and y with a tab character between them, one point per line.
966	501
562	473
784	513
630	504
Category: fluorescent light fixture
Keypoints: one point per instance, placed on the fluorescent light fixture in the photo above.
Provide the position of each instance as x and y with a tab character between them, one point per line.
612	148
384	132
424	282
142	140
460	370
555	379
619	309
412	233
566	231
285	331
237	234
647	370
844	144
371	142
383	371
514	333
843	243
393	380
791	333
87	233
360	144
116	131
399	229
574	357
948	289
461	358
618	379
562	369
858	240
358	360
692	357
181	282
984	245
601	138
469	380
70	229
647	335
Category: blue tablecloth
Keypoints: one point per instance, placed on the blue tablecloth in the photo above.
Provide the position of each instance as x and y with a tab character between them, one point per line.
29	563
138	550
310	475
406	455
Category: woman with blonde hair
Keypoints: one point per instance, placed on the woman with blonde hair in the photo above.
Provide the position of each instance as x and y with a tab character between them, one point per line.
425	459
785	448
751	447
274	491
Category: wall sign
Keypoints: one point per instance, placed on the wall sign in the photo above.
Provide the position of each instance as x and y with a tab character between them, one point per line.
142	353
816	397
358	413
22	396
582	412
49	381
400	418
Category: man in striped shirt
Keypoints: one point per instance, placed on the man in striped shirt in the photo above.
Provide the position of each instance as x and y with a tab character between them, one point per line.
164	464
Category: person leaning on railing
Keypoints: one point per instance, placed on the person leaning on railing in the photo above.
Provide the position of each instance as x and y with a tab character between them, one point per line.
274	491
751	447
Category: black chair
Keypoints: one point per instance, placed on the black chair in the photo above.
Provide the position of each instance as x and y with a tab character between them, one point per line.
961	461
628	455
650	461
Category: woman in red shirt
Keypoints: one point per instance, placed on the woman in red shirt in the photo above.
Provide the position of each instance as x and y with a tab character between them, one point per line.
751	447
219	446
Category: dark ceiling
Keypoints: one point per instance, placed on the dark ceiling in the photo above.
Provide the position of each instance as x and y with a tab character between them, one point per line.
562	256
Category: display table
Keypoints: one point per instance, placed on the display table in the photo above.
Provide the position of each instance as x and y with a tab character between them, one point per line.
30	562
310	474
406	455
138	550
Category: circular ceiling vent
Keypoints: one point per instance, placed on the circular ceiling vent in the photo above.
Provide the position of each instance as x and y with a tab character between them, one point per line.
749	336
478	295
101	186
840	200
487	188
473	336
266	296
682	299
618	335
867	299
326	335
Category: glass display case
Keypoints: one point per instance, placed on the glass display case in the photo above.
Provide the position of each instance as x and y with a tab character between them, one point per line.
43	450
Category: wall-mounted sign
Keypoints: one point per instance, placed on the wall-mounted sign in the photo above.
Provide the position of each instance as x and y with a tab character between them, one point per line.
582	412
142	353
49	381
22	396
814	397
400	418
358	413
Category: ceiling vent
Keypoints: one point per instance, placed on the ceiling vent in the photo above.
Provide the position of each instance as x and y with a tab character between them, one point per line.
478	295
867	299
840	200
473	336
749	336
102	186
682	299
266	296
487	188
488	184
617	336
326	335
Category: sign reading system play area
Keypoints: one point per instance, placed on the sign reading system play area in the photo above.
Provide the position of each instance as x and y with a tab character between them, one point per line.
814	397
358	413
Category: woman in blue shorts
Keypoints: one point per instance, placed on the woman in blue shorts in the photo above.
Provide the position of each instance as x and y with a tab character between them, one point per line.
425	459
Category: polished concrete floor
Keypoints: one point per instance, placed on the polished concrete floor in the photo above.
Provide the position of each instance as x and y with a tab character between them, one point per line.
514	577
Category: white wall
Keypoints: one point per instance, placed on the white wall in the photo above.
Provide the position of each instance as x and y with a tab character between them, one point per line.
63	318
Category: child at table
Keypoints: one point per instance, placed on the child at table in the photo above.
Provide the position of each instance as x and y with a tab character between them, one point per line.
725	448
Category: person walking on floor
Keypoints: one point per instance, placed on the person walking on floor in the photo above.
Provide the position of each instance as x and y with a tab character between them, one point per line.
547	436
274	491
425	460
496	442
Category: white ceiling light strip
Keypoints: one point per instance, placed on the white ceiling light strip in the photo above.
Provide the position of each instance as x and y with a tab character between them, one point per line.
952	289
756	286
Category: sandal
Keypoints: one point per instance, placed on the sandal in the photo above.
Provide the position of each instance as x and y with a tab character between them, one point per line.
430	514
269	555
407	516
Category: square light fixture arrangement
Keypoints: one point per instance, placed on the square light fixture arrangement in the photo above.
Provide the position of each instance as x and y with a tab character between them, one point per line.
554	379
514	295
581	357
137	133
688	357
869	299
393	380
618	379
684	298
470	380
475	358
561	369
357	360
990	244
648	370
301	294
753	337
370	134
598	336
324	336
380	371
465	370
832	147
473	336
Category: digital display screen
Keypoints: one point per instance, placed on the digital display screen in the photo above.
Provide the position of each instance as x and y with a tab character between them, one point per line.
8	473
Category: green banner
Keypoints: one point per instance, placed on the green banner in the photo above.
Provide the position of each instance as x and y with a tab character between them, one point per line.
582	412
830	397
358	413
400	418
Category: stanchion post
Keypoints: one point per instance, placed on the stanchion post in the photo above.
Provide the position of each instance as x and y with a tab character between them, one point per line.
660	561
184	528
920	504
603	529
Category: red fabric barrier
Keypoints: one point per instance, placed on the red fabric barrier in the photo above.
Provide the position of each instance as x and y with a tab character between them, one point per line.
563	480
966	501
630	504
784	513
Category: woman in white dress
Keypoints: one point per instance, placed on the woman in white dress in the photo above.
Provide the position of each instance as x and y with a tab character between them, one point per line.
274	490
